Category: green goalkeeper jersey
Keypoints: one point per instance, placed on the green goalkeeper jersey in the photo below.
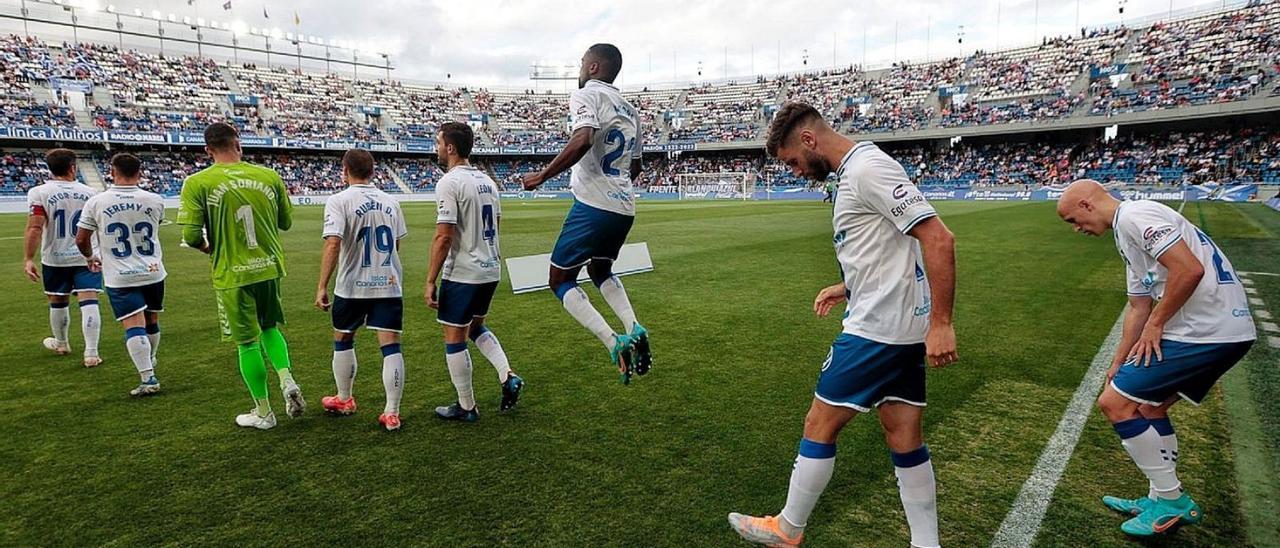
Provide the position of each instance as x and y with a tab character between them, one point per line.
243	207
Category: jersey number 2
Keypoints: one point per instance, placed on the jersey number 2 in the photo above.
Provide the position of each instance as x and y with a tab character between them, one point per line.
615	135
1224	276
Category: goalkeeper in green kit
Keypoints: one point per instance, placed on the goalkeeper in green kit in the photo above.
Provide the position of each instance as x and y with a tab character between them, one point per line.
242	207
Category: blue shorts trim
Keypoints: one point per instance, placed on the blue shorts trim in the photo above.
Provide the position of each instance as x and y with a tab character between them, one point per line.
461	302
127	301
1188	370
386	314
590	233
67	280
863	374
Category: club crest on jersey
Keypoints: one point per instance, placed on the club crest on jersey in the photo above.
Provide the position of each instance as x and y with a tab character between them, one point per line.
899	192
1153	234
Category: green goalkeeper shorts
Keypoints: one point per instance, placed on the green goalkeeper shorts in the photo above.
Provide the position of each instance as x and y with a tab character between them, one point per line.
244	312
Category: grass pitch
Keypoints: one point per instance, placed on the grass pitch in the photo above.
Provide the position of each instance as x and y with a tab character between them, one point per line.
585	461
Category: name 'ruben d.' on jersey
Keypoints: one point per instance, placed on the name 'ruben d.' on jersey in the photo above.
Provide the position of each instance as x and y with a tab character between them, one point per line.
370	223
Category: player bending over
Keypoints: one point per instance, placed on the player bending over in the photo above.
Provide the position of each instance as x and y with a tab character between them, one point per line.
465	252
244	207
604	151
127	220
1187	323
887	237
363	226
55	209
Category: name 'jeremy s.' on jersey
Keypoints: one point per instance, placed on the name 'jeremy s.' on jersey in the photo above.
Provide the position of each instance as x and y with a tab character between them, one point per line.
602	178
370	223
127	222
468	198
1218	309
883	268
60	203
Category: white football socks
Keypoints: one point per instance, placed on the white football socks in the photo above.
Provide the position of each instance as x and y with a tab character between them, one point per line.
393	377
1145	449
814	466
919	493
1170	439
140	352
459	362
91	324
154	338
60	322
579	306
491	349
344	371
616	296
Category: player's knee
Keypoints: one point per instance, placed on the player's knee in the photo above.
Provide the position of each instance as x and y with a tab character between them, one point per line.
1116	407
600	272
562	288
821	428
1153	411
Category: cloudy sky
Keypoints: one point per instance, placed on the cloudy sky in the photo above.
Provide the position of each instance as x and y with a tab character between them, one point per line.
494	42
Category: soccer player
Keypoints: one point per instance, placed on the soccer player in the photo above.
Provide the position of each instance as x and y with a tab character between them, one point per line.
465	253
887	238
1187	323
54	212
363	226
604	152
128	221
243	207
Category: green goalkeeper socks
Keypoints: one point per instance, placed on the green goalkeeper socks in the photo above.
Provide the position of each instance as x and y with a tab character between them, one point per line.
278	352
254	371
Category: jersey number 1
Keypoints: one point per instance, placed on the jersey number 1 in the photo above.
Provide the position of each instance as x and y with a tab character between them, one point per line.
245	215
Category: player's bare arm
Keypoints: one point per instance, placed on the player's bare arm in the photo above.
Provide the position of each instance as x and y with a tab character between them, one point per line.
328	260
1134	318
828	298
84	242
440	244
1185	272
35	231
579	144
938	245
636	167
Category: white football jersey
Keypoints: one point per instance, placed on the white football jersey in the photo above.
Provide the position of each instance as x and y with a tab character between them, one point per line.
126	220
60	202
468	199
883	269
602	178
371	225
1218	309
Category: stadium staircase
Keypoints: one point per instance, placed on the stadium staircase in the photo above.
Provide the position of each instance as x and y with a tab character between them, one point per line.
230	79
89	172
395	176
102	96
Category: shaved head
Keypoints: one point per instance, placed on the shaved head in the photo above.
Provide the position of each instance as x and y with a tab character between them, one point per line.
1088	206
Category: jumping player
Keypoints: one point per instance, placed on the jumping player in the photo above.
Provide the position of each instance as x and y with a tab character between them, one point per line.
1188	323
604	152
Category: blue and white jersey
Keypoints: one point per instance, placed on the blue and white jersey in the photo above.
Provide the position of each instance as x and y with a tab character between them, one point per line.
126	220
1218	309
876	205
468	199
60	203
370	224
602	178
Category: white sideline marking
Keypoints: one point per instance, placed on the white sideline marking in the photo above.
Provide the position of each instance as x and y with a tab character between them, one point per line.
12	237
1259	273
1262	314
1022	523
1256	301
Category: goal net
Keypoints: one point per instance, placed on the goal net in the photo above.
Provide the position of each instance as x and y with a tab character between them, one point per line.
716	186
